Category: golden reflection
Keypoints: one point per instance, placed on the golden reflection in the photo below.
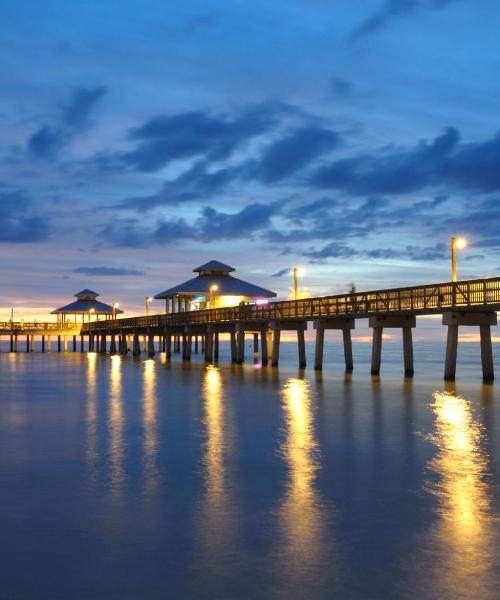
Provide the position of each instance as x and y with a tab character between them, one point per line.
302	514
217	519
150	426
91	453
116	426
214	422
464	533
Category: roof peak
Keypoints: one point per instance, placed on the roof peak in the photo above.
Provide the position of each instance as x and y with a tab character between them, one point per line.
214	265
87	292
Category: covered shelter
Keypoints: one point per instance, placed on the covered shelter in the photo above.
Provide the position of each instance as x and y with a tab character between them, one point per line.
214	287
87	307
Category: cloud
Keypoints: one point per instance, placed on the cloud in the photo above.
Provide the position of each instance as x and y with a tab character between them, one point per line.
76	114
196	183
165	138
391	10
212	225
282	272
443	162
19	225
107	271
344	251
340	87
48	140
292	153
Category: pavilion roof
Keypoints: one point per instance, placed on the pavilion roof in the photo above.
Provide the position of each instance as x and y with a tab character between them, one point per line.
84	306
227	285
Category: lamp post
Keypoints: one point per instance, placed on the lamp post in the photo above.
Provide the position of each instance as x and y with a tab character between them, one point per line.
115	306
148	302
296	272
213	288
456	244
91	312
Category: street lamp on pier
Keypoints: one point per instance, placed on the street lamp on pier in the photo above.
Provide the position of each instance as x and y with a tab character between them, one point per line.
115	306
149	299
296	273
456	244
213	289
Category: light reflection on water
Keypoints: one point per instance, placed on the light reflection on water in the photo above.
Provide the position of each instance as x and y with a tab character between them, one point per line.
115	424
302	543
216	521
149	401
461	542
91	450
226	482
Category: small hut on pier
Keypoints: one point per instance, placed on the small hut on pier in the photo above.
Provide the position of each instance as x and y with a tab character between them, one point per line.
214	287
87	307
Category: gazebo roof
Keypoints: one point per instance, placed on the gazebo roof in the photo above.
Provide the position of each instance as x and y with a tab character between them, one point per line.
214	266
216	273
86	301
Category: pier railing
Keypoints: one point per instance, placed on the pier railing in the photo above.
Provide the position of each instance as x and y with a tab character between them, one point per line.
417	300
28	327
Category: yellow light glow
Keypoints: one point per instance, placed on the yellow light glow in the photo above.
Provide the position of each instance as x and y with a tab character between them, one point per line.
116	305
91	452
214	288
301	511
300	271
149	425
149	299
463	533
460	243
301	294
116	424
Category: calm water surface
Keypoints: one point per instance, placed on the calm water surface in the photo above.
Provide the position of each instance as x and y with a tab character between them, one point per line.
138	479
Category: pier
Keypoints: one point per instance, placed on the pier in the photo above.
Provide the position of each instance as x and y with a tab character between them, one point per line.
469	303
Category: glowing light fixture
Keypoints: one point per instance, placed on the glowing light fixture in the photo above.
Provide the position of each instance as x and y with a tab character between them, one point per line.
115	306
213	289
456	244
149	299
297	272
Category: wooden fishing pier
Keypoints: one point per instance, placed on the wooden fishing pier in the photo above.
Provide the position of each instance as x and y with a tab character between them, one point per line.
467	303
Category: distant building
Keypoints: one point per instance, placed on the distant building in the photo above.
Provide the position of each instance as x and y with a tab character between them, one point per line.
87	307
213	287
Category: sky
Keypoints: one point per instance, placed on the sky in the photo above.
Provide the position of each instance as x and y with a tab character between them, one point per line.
139	140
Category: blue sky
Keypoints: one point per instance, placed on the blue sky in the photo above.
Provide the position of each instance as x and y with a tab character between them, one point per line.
139	140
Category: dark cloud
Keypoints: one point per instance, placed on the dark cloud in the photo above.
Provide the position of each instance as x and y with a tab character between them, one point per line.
107	271
443	162
195	184
340	87
165	138
19	223
344	251
394	9
76	114
48	140
292	153
212	225
282	159
281	272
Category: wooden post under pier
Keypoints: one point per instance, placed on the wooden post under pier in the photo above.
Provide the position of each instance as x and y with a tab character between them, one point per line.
484	320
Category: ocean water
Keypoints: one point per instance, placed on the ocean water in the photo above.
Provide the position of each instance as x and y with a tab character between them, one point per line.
140	478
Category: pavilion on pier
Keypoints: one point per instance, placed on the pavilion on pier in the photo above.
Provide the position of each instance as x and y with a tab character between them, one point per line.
214	287
87	307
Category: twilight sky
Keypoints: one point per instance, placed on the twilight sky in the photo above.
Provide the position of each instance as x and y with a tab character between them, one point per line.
139	140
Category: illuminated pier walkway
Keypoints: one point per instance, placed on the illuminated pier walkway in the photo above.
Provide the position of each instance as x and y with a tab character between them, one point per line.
462	303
